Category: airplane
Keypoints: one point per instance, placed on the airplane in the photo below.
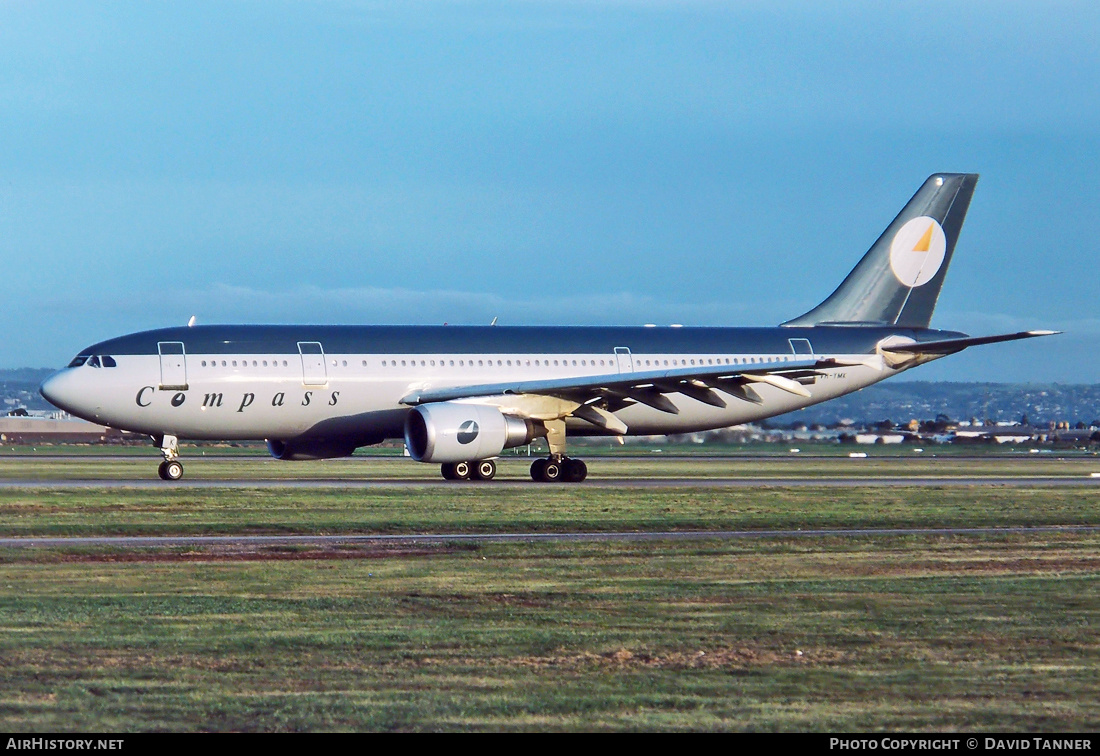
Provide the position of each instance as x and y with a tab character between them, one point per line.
460	395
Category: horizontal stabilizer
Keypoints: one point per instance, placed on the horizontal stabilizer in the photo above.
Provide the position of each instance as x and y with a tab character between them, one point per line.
950	346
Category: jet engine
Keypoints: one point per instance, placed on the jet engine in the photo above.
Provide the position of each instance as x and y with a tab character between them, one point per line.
454	432
297	449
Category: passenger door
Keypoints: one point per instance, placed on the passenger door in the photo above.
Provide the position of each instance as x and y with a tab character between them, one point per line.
173	365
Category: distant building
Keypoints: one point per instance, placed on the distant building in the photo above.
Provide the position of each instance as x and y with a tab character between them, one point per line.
879	438
34	430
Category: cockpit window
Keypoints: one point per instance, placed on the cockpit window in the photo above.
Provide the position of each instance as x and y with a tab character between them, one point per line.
94	360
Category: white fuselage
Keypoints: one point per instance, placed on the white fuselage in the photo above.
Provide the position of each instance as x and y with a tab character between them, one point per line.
253	396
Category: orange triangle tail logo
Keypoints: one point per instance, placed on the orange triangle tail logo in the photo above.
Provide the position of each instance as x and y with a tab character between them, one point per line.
925	242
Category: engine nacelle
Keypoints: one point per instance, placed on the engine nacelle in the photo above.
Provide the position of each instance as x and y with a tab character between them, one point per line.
453	432
306	449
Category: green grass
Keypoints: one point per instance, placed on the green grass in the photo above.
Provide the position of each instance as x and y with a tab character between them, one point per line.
493	509
840	634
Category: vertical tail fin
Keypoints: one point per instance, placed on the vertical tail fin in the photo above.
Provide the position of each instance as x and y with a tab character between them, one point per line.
898	281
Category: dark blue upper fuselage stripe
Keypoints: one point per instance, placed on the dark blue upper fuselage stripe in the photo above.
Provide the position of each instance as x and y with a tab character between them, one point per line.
336	339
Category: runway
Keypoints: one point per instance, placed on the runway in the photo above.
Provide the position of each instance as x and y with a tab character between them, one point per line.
1057	481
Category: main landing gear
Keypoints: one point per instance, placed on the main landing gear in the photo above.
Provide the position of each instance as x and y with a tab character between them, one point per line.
171	468
484	469
555	469
549	470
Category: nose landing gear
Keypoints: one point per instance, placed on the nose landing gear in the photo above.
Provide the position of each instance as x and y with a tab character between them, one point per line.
171	468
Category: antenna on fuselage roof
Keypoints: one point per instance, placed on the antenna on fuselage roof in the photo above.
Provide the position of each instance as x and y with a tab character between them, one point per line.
494	322
191	321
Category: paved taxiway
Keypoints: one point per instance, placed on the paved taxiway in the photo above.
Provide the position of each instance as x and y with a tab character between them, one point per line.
69	471
1059	481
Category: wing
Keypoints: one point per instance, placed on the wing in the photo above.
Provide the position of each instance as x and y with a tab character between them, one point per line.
595	398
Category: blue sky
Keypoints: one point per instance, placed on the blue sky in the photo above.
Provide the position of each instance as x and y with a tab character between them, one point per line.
701	163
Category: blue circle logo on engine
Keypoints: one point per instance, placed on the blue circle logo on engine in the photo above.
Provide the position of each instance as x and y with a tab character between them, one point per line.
467	432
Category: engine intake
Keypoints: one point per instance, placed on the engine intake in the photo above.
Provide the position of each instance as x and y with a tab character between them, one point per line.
454	432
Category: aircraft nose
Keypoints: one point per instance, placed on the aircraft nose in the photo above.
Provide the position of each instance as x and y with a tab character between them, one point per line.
60	390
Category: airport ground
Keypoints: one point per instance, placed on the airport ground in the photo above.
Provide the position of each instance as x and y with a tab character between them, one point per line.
960	592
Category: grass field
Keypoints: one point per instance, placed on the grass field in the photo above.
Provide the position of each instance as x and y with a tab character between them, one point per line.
992	632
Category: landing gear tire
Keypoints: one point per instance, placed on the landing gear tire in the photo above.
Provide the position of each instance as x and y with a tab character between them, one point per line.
575	470
547	471
170	470
538	467
456	470
552	471
486	469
